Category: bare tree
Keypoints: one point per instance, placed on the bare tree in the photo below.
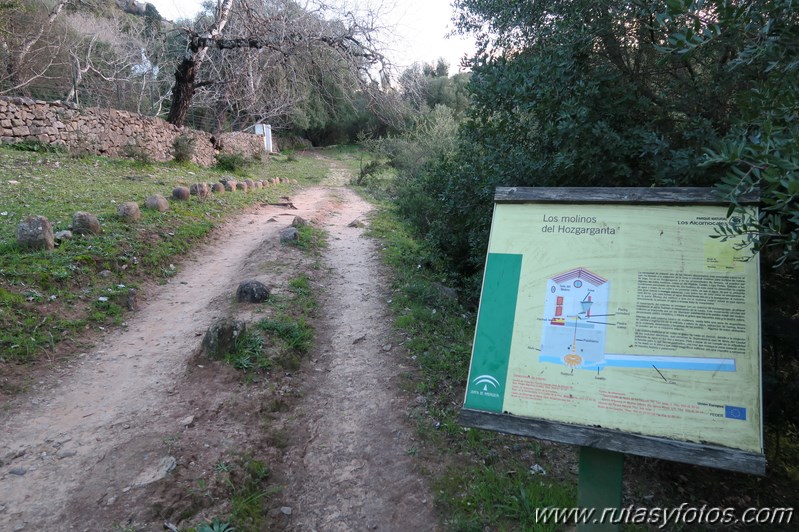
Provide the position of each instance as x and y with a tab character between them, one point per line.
276	33
117	61
30	42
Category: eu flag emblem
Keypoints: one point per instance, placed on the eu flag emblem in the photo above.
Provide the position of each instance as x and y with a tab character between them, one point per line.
735	412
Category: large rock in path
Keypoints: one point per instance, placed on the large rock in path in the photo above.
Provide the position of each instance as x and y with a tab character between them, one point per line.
289	234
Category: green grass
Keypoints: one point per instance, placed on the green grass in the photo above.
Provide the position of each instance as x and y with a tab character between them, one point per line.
504	495
294	334
308	170
311	239
61	289
246	485
248	354
283	338
288	332
351	156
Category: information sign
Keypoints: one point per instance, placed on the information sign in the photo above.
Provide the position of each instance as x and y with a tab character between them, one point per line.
617	317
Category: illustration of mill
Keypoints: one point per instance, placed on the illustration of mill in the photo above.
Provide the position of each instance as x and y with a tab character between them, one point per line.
575	309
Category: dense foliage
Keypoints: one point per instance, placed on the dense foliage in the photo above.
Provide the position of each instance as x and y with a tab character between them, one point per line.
761	148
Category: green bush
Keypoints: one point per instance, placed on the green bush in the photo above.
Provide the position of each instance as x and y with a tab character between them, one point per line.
138	154
183	148
37	146
232	162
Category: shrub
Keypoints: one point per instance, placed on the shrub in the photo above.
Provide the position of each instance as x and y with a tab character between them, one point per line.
137	153
36	146
367	170
183	148
232	162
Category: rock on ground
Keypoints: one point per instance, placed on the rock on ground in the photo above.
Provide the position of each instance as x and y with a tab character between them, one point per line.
201	190
85	223
356	223
289	234
129	211
157	202
180	193
252	291
221	337
36	232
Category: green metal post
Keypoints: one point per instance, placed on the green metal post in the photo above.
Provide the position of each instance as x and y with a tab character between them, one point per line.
599	485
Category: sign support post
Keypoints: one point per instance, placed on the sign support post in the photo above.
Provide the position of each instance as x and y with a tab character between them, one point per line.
599	486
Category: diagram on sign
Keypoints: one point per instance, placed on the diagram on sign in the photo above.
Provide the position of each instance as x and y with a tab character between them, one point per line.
576	321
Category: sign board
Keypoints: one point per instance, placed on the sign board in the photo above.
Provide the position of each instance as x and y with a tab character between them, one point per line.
265	130
611	318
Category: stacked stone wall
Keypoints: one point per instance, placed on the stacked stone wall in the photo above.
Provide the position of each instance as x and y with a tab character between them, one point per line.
110	132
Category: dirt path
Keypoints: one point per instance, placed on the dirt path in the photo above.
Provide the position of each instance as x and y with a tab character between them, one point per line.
107	444
354	470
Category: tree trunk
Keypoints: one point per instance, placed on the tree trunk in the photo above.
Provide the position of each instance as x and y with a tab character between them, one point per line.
186	74
183	91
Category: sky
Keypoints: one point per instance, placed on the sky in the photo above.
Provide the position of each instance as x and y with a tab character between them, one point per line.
419	35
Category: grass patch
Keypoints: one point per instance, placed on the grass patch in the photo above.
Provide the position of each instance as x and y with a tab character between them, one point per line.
303	167
249	493
289	332
506	496
282	339
245	482
63	287
310	239
248	354
295	335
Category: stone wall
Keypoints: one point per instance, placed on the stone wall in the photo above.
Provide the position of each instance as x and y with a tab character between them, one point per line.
110	132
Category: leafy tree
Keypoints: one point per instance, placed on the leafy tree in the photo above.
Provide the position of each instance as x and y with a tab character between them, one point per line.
425	85
760	150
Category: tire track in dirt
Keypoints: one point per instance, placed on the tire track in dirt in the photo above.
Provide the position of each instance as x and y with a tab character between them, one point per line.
354	469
